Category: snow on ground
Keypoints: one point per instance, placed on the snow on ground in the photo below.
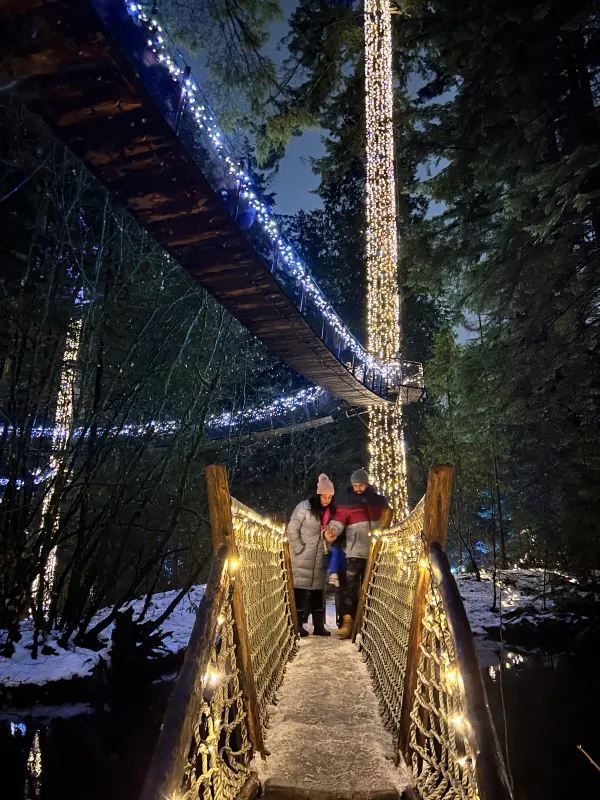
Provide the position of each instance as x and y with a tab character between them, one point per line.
516	588
79	662
523	595
325	733
529	589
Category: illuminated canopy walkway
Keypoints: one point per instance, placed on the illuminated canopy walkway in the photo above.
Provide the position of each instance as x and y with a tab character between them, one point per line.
420	714
106	80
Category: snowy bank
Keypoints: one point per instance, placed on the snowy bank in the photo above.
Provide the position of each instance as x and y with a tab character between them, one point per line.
533	609
73	663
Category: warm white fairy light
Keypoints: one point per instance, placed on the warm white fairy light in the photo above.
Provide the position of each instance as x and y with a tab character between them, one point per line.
387	458
63	421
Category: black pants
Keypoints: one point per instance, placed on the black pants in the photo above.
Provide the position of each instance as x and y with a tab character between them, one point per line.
308	601
350	586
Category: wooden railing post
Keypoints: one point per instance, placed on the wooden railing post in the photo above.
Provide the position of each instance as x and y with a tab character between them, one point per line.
362	598
435	529
219	506
166	770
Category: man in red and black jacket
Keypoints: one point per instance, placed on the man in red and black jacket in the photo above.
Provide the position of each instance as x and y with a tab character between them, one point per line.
358	512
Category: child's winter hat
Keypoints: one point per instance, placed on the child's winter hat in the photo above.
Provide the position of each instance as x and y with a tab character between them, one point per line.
324	485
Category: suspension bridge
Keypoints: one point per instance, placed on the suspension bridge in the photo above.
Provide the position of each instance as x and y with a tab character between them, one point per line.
104	76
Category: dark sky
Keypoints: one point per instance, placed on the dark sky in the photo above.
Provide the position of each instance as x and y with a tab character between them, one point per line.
295	180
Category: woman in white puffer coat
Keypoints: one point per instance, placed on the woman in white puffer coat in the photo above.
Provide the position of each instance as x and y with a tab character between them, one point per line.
308	553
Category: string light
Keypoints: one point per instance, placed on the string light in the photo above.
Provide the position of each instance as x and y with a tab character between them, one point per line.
61	430
212	678
458	720
274	411
385	372
233	565
387	456
197	109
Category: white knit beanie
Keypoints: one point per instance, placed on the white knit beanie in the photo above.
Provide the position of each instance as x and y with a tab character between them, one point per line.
324	485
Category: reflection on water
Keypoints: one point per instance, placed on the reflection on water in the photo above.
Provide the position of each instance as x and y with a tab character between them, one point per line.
34	768
551	704
101	755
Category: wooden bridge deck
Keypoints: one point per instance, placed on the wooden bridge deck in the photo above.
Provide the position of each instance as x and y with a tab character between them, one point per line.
60	56
326	738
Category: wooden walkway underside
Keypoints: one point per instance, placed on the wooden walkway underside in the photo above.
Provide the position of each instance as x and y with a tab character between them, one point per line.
61	58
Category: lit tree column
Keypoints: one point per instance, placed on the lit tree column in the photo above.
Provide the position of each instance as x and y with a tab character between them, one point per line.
63	421
387	462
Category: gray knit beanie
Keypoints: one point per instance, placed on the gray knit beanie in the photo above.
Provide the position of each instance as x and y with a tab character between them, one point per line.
359	476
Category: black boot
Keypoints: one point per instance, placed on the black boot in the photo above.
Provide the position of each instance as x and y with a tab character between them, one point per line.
300	629
318	624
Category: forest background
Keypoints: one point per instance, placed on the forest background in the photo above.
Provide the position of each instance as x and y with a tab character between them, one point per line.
498	169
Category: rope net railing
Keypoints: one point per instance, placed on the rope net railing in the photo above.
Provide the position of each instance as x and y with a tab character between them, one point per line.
243	637
266	599
442	759
388	611
418	647
220	750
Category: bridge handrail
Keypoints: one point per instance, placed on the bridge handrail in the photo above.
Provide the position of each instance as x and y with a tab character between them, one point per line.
197	701
243	636
492	781
419	650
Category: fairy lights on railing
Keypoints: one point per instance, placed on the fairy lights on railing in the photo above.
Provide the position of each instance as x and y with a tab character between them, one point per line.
197	109
273	411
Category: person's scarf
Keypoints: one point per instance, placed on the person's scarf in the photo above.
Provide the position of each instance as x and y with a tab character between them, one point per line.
326	518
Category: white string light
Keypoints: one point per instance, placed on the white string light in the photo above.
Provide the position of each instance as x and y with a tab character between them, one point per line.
198	110
387	456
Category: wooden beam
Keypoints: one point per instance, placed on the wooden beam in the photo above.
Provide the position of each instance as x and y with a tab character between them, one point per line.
219	505
490	772
165	773
289	576
435	529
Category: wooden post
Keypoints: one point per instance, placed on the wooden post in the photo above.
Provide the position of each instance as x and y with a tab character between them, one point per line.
490	772
362	598
290	584
435	529
219	505
165	773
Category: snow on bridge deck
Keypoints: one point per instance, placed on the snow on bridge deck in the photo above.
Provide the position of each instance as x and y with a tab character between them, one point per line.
326	739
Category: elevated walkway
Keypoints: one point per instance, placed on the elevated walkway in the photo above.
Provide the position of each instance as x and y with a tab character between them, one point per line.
255	710
104	78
